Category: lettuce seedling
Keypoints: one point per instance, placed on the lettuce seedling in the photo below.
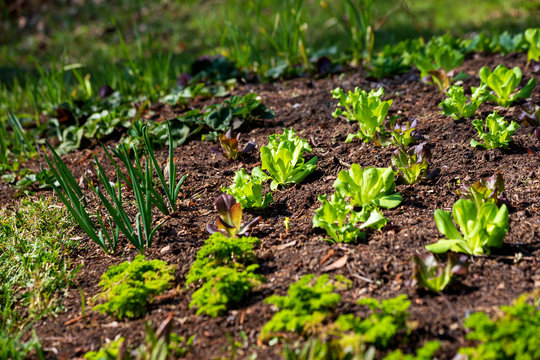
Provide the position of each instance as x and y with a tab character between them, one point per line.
495	132
129	286
533	38
403	135
485	191
503	82
411	164
247	189
284	161
369	187
482	227
388	63
439	65
366	108
458	106
340	221
229	220
229	146
435	276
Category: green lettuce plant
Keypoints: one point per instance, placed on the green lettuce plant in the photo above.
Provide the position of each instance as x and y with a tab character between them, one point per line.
247	189
480	228
283	158
341	222
458	106
503	82
366	108
532	36
369	187
495	132
439	64
435	276
411	164
129	286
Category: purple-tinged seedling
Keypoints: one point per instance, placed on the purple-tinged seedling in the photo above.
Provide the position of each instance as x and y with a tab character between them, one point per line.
484	191
229	220
435	276
411	164
229	145
536	134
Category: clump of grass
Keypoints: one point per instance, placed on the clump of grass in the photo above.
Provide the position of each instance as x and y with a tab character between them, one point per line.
34	269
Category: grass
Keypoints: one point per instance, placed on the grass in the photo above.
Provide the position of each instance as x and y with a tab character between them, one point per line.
34	269
139	48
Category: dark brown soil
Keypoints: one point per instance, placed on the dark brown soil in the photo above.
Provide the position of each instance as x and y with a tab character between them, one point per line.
378	267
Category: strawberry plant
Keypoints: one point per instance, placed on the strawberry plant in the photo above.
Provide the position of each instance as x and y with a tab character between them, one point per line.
283	158
411	164
129	286
369	187
340	221
247	189
458	106
503	82
435	276
229	220
481	227
495	132
366	108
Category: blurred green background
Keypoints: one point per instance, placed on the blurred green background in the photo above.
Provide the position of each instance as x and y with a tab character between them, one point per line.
84	31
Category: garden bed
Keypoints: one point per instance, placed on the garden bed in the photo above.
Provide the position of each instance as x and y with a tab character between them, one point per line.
378	267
